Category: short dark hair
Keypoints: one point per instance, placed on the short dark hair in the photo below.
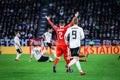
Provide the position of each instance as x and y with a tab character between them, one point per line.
61	22
48	28
16	32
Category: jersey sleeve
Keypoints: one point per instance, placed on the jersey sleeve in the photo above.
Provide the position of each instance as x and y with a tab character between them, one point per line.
32	52
51	23
45	34
15	41
71	23
82	36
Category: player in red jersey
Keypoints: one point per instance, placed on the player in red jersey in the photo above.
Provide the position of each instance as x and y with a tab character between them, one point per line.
61	48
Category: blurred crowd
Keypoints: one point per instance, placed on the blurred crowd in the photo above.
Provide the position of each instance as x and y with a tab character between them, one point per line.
19	15
99	18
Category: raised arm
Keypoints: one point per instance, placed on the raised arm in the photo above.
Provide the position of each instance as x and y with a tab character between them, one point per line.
50	22
71	23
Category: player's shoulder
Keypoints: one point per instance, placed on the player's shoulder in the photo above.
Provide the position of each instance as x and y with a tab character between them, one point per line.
55	27
45	33
76	27
80	28
16	37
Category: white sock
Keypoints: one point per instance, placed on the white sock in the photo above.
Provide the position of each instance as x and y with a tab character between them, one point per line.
53	51
72	62
50	59
18	55
79	66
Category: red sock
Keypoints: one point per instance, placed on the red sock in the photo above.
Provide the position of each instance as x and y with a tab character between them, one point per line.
67	60
50	51
56	61
71	58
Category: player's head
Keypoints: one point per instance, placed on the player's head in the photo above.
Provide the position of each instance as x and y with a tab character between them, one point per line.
75	21
61	23
50	30
17	34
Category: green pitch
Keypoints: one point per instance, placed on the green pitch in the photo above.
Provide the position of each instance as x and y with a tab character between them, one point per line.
98	67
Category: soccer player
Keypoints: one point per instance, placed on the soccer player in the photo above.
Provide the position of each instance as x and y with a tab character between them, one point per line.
47	37
17	45
38	53
61	47
75	35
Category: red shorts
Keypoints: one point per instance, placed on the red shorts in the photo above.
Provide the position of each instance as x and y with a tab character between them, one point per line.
62	50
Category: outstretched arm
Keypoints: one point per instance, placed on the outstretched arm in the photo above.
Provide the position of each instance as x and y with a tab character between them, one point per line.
71	23
50	22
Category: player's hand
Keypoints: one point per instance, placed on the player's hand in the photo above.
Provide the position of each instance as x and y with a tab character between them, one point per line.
76	14
47	17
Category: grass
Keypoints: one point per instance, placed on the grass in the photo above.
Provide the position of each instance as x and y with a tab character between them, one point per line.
98	67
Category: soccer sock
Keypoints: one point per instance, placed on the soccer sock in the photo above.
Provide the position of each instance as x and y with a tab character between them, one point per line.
50	59
56	61
67	60
72	62
50	51
53	51
18	55
79	66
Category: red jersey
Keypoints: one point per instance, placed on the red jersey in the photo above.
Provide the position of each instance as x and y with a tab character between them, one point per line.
60	32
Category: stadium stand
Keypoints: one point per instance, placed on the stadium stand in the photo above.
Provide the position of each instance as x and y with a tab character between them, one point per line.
19	15
99	18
